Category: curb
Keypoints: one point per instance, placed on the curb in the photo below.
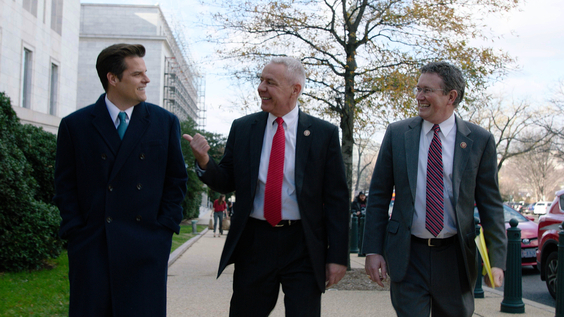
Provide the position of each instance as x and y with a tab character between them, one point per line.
527	302
181	249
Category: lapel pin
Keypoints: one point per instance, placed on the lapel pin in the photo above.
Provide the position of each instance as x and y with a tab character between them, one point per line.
463	145
307	133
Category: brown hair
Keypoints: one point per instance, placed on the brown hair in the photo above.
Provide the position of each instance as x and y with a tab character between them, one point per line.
112	60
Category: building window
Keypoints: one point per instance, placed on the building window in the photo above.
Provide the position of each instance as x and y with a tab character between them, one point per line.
54	87
30	6
57	16
26	78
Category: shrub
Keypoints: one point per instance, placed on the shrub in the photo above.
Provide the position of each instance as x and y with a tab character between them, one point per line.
28	226
30	237
39	148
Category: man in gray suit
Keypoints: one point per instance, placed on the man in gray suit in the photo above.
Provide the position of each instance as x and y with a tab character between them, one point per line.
439	166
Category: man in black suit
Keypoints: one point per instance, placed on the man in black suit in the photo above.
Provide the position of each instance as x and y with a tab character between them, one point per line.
120	179
289	229
439	166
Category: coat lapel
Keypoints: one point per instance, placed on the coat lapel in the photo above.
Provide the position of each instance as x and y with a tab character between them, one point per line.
303	144
461	155
137	126
103	124
255	148
412	136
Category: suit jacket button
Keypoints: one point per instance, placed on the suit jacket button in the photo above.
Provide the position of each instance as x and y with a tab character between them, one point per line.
139	186
142	156
138	218
104	156
110	188
109	219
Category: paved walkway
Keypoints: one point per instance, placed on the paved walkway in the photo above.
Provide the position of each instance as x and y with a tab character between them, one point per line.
194	291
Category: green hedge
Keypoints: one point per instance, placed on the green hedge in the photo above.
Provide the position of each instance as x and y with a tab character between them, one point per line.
28	222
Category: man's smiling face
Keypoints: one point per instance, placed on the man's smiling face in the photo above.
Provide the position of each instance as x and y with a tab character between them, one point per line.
278	95
437	105
130	89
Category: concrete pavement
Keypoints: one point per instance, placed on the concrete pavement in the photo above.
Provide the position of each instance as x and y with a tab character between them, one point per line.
193	289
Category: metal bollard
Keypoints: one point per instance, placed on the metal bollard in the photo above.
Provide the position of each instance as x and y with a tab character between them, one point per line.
354	234
560	277
478	290
360	234
513	288
194	228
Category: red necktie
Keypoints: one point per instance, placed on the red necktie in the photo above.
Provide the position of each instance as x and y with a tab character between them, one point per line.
435	212
273	187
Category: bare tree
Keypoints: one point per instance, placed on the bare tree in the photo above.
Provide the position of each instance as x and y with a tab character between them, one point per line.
556	123
539	169
366	150
518	127
361	57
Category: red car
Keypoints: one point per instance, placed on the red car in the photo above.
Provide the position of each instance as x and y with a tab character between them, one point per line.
529	234
547	254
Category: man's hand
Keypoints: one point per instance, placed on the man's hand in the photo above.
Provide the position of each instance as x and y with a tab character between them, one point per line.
200	148
375	267
334	273
497	275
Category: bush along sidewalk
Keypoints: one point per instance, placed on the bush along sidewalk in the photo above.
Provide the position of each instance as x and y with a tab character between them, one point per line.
29	224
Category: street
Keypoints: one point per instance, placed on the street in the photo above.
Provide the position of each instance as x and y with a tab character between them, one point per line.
534	289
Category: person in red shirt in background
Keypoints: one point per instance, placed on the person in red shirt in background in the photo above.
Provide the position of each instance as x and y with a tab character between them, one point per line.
219	207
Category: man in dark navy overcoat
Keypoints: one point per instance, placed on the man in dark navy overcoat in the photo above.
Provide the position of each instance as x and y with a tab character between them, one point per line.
120	179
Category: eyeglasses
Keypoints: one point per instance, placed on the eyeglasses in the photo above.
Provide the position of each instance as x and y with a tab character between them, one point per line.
425	91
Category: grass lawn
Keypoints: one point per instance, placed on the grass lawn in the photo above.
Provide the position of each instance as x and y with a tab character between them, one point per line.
185	234
46	292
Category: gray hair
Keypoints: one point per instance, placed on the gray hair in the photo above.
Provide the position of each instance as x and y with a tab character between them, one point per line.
451	75
295	72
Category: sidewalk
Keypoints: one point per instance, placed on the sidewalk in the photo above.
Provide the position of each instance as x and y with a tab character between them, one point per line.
193	289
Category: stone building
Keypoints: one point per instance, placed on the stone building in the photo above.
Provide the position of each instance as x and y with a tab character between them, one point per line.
48	51
39	58
175	83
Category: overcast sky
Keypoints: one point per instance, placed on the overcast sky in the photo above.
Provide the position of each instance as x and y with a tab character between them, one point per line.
533	35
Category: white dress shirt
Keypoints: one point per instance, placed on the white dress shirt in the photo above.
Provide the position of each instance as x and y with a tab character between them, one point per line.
290	209
114	111
448	139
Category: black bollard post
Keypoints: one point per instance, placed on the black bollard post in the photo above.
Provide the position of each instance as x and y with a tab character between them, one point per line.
560	277
354	234
478	290
360	234
513	288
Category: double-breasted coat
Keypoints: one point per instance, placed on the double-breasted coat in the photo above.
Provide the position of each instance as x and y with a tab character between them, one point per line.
120	203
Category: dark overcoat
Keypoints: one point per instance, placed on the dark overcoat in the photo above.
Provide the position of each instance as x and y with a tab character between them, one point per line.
120	202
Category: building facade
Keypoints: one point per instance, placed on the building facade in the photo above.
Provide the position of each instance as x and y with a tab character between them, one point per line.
175	83
39	58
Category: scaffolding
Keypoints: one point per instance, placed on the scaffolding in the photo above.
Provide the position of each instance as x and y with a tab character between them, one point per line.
183	94
180	95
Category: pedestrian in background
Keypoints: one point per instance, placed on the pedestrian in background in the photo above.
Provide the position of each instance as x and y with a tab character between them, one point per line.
219	210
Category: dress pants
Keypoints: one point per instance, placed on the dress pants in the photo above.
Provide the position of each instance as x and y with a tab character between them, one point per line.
267	257
435	283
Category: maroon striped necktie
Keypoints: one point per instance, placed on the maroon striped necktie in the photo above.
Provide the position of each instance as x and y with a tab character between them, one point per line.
434	221
274	177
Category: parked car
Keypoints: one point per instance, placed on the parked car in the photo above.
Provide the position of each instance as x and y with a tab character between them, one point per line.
517	205
541	207
529	234
547	254
528	209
